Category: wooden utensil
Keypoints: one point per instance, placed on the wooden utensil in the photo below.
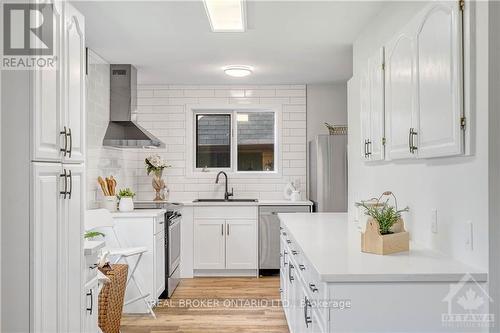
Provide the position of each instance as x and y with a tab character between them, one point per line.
104	186
113	183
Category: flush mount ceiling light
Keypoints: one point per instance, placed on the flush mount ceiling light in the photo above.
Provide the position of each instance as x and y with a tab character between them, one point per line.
238	70
226	15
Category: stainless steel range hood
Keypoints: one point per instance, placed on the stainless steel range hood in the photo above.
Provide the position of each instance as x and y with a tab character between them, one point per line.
122	131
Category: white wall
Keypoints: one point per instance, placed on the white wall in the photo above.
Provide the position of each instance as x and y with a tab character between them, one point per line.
494	167
103	161
456	187
164	111
325	103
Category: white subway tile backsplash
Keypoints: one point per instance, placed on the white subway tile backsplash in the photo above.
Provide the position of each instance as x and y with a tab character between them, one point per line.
162	110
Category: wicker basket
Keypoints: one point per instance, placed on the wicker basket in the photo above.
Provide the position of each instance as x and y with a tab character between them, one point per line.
111	298
336	129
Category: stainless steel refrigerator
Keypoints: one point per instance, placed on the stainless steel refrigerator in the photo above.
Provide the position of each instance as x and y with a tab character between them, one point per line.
328	173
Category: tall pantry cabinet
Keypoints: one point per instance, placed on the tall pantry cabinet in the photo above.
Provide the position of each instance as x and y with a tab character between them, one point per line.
43	187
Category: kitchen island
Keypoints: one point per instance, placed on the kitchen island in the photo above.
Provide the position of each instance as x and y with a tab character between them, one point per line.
329	285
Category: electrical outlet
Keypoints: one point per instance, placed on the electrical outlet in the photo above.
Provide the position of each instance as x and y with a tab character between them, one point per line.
434	221
469	235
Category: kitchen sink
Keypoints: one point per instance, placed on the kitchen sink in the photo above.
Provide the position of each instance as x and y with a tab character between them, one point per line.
224	200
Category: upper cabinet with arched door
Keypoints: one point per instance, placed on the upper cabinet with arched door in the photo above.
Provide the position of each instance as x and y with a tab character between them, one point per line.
423	85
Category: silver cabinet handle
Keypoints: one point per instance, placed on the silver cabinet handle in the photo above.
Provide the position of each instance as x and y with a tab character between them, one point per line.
70	142
302	267
290	276
70	177
413	133
222	229
295	252
289	241
368	147
307	318
313	288
284	258
227	229
91	308
65	149
64	175
409	141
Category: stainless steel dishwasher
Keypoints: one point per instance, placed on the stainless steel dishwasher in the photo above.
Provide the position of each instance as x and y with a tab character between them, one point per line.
269	236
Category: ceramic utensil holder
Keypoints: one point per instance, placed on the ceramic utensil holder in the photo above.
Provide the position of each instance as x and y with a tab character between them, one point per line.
110	203
126	204
372	241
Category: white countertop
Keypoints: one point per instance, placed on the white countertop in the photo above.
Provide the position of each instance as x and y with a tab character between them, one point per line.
92	247
332	245
255	203
139	213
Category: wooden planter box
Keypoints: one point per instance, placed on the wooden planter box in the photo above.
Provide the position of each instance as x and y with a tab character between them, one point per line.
374	242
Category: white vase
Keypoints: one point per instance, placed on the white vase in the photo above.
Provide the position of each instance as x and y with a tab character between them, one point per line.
110	203
126	204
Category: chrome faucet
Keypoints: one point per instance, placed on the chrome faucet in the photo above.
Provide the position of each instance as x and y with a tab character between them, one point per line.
226	193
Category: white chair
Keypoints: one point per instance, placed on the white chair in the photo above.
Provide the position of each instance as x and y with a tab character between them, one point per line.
101	220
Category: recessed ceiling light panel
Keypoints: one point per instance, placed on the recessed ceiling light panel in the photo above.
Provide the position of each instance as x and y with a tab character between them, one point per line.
226	15
238	70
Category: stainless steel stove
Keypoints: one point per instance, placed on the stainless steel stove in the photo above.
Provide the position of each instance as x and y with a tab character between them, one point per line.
173	219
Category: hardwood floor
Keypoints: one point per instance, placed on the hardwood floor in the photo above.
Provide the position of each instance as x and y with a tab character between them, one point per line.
216	305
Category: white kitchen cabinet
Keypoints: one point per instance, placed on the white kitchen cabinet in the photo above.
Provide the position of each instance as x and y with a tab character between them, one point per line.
372	108
58	194
72	209
159	263
48	99
210	244
46	275
439	80
400	97
424	85
48	270
90	318
59	95
241	252
75	84
225	240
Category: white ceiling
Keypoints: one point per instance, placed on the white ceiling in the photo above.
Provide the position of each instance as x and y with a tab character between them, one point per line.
286	41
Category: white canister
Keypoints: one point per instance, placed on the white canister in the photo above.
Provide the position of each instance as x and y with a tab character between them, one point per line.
295	196
110	203
126	204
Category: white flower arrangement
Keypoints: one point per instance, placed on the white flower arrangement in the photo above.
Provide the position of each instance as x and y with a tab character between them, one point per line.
154	163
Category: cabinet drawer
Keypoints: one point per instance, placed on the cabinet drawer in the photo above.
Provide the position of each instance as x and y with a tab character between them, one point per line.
226	212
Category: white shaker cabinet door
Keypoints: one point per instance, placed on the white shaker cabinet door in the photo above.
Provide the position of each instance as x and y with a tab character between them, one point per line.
75	84
241	244
439	80
375	145
400	95
365	115
159	268
72	244
48	98
48	271
209	244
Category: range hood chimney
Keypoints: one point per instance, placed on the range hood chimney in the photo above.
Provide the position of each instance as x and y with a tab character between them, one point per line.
122	131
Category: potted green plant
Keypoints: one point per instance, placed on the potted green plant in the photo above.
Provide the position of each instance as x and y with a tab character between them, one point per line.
126	203
385	232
